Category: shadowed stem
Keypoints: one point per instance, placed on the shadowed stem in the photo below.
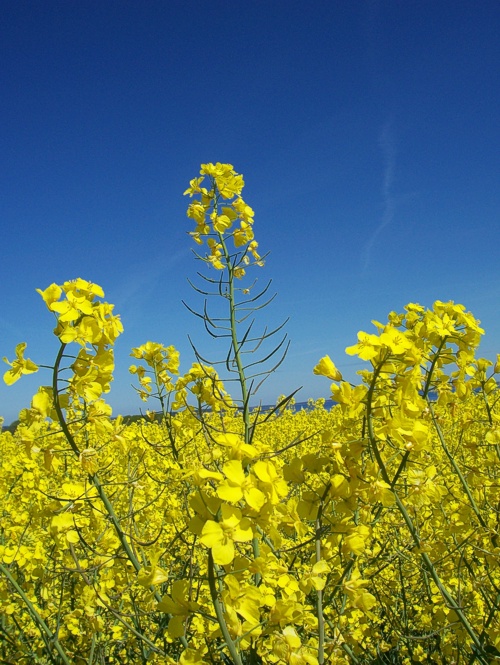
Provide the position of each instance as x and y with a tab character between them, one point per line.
220	613
48	637
94	479
448	598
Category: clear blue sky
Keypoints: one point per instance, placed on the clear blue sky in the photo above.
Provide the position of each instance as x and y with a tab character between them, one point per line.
367	133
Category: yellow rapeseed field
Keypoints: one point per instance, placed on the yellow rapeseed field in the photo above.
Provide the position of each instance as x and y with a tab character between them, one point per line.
211	532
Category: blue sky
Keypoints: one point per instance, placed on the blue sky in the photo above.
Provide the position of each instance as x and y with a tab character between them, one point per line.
367	133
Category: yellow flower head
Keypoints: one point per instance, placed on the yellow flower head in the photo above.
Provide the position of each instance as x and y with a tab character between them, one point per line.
220	536
19	366
325	367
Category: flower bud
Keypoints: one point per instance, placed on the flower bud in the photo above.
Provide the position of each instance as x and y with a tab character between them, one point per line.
326	367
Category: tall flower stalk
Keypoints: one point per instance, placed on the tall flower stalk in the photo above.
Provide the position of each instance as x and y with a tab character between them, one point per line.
224	224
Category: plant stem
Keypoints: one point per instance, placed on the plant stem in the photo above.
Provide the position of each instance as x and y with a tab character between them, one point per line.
48	637
220	613
448	598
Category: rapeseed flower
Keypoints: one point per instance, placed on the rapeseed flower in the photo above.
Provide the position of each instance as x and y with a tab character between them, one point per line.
19	366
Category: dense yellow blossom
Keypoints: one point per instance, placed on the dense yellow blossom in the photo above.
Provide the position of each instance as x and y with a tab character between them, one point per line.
206	532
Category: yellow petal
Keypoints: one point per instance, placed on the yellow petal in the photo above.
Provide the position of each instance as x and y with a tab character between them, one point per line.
229	493
176	626
211	534
223	553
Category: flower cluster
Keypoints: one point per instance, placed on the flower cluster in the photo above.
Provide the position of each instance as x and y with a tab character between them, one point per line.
80	317
220	213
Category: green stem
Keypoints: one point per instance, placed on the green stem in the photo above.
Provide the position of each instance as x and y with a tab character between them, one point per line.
94	479
57	404
234	340
431	368
452	603
448	598
48	637
319	601
241	373
319	592
219	612
457	469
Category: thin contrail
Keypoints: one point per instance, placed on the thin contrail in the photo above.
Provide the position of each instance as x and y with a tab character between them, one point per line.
386	142
147	276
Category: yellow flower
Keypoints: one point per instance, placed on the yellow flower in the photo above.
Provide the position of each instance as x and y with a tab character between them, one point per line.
51	294
313	579
496	368
245	212
271	482
423	489
325	367
228	182
359	597
73	307
215	255
88	460
19	366
288	648
395	339
220	536
43	401
238	486
197	211
153	574
243	235
351	399
82	288
221	223
238	448
205	507
367	347
179	606
194	186
245	601
191	657
355	541
252	248
381	491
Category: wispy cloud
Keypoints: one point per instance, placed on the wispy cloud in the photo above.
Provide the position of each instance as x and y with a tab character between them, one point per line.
387	145
146	278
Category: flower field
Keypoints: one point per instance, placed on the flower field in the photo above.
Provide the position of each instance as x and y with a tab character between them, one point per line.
213	532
